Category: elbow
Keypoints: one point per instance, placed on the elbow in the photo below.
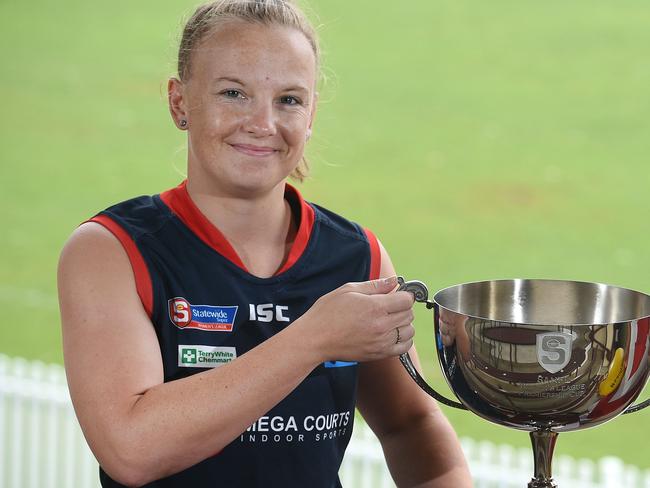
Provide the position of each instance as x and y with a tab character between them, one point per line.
128	464
126	476
135	460
126	473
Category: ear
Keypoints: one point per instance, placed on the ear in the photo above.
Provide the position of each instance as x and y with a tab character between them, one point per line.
177	105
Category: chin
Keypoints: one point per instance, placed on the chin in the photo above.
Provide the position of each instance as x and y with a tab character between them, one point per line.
260	182
258	174
243	176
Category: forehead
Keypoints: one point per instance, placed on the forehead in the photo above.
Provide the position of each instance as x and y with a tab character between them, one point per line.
255	52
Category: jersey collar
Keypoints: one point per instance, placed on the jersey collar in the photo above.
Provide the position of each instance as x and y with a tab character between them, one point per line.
180	203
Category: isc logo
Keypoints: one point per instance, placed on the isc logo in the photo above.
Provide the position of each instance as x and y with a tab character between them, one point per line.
267	312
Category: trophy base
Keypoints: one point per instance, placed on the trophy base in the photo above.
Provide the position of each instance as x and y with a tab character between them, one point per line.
542	483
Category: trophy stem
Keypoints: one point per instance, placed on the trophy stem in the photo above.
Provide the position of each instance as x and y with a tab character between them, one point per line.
543	441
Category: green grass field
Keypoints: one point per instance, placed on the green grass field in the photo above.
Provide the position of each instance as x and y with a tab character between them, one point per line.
479	140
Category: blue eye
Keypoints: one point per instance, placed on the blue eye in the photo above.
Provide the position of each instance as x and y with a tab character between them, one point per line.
232	94
289	100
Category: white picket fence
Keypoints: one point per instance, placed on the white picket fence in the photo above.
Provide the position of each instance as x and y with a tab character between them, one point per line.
41	445
493	466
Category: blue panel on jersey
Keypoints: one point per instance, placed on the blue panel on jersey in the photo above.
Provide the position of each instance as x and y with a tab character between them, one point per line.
339	364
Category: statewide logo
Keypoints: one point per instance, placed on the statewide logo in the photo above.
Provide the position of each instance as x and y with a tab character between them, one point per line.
197	356
554	350
213	318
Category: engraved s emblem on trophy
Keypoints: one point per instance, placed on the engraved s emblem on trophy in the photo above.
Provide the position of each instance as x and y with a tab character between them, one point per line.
543	356
553	350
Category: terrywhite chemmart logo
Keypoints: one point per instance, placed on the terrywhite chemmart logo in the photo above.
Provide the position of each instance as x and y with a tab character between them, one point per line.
196	356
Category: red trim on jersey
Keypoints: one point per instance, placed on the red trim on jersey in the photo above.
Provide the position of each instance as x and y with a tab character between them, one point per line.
140	270
375	255
307	218
180	202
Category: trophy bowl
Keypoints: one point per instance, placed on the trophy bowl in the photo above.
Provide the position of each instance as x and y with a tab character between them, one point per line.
544	356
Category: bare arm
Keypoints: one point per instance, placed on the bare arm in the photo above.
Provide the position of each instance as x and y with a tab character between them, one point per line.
420	446
133	421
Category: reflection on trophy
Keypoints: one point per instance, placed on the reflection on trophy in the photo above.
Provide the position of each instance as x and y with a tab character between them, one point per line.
543	356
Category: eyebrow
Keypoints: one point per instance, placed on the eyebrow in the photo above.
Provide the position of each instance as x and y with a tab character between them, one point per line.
227	78
296	88
232	79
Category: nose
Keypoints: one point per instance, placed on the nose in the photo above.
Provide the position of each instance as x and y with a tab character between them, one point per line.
260	122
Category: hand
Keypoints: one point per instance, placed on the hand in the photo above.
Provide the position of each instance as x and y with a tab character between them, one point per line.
359	321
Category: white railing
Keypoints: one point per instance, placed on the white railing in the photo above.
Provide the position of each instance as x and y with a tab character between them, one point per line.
41	445
493	466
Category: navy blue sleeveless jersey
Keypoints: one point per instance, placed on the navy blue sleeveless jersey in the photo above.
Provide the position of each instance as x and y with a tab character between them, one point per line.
207	310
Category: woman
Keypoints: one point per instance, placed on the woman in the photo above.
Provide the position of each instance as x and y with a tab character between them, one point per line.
216	333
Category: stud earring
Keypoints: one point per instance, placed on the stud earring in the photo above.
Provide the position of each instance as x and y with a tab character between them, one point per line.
183	123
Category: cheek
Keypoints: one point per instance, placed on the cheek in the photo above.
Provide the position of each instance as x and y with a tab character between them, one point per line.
207	114
295	130
211	118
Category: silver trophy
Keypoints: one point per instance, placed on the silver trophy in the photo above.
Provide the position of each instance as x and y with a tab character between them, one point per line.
544	356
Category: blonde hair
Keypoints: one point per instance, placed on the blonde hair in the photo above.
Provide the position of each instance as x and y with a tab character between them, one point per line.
210	15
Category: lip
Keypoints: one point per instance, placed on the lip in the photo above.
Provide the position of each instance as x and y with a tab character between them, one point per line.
252	150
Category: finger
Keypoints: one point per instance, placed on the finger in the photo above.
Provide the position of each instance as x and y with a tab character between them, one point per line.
398	319
406	333
374	287
398	301
399	335
400	348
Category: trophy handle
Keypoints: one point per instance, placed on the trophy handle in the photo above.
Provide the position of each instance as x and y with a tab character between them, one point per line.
636	408
421	294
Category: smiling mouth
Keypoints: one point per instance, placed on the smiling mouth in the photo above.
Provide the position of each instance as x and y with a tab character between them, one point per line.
257	151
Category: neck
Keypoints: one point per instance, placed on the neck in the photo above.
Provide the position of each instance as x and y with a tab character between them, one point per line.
260	227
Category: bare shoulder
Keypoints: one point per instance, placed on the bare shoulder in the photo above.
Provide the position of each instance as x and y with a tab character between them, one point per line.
87	243
94	275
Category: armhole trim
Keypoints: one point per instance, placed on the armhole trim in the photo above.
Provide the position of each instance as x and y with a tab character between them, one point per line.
375	255
141	274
